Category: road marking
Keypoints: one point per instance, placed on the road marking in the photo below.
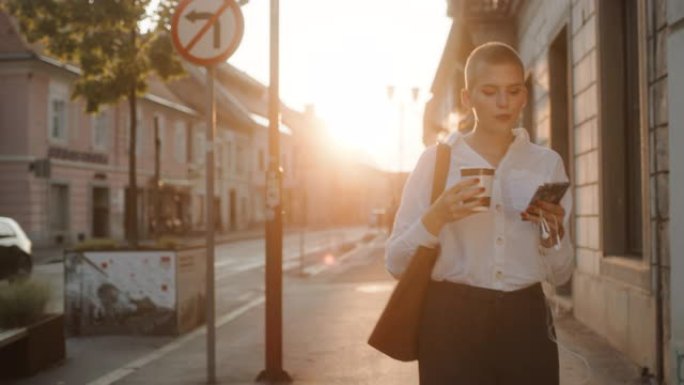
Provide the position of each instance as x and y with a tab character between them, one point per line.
373	288
135	365
229	269
289	265
322	266
132	366
227	262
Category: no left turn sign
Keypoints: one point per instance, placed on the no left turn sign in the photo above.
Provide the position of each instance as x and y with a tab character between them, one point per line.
207	32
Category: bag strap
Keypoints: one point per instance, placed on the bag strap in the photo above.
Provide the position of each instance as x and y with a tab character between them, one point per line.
441	170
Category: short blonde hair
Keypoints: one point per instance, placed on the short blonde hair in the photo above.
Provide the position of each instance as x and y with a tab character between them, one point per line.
491	53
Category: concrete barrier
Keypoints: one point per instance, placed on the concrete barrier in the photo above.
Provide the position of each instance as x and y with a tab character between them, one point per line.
151	292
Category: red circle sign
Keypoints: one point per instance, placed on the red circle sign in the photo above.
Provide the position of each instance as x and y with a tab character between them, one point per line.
207	32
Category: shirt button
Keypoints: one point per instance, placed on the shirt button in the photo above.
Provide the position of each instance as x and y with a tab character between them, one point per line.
498	207
499	274
499	241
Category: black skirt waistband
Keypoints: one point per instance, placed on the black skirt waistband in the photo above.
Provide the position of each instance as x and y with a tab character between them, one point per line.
480	293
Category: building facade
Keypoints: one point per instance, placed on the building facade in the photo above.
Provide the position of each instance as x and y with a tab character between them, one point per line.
600	77
64	173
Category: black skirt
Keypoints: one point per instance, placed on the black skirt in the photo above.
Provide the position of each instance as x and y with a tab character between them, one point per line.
477	336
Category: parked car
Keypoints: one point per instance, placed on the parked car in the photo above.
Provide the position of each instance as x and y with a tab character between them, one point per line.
15	250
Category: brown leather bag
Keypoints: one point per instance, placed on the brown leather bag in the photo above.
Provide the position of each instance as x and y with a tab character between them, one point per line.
396	332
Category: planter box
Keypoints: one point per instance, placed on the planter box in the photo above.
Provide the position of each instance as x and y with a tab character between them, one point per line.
39	346
147	292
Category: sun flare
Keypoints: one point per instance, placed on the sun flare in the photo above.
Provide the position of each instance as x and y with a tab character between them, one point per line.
342	56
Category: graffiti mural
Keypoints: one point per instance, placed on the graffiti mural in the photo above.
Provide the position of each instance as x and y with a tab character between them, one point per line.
121	292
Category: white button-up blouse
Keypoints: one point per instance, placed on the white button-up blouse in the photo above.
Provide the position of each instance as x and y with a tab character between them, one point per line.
493	249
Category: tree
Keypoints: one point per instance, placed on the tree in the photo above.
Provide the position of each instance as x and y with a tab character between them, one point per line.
104	38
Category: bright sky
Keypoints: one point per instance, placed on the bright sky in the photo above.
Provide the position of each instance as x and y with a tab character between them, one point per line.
342	55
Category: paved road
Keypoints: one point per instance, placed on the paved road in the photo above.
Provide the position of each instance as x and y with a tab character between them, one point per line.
239	280
327	319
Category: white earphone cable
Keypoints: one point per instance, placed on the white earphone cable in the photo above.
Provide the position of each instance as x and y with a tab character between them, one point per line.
546	233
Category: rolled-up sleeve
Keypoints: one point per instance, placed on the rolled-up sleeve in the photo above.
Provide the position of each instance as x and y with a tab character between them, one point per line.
560	263
408	232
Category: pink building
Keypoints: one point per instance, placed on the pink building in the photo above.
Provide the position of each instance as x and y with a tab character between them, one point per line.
63	173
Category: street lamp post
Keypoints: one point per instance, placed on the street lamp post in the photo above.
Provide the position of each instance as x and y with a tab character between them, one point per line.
394	95
274	222
399	97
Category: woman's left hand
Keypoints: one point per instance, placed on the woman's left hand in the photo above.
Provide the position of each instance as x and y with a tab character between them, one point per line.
554	215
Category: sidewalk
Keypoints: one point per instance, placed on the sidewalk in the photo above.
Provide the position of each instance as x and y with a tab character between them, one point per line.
326	322
325	325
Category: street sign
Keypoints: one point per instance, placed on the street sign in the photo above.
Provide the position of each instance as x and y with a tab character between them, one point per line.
272	189
207	32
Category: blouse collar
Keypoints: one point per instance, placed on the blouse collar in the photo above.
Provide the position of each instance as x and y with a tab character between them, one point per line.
519	133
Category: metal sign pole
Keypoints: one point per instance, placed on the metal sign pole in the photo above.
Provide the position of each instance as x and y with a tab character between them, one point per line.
274	226
206	33
209	196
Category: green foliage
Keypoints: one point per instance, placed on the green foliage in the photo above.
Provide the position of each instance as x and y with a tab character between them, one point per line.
23	303
168	243
104	39
164	242
97	244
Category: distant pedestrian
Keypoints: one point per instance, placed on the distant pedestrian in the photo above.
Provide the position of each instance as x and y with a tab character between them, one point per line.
485	320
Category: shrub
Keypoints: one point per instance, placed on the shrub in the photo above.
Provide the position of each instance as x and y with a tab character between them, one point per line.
167	243
22	303
96	244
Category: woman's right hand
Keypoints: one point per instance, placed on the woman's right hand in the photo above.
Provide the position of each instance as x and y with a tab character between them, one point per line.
451	205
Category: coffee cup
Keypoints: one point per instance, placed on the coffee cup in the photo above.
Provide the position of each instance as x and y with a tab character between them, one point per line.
486	177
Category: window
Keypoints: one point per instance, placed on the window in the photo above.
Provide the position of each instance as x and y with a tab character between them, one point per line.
218	158
262	161
620	130
58	111
100	127
229	157
240	160
58	119
199	147
179	142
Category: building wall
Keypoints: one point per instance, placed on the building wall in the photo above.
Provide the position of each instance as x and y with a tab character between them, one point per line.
14	112
613	296
14	146
25	88
673	58
657	15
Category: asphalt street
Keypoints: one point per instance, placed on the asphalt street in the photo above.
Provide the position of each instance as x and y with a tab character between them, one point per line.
239	281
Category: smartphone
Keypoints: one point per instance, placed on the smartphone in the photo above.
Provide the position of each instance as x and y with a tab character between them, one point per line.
550	192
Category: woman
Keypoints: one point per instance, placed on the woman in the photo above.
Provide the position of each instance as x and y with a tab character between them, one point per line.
486	320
